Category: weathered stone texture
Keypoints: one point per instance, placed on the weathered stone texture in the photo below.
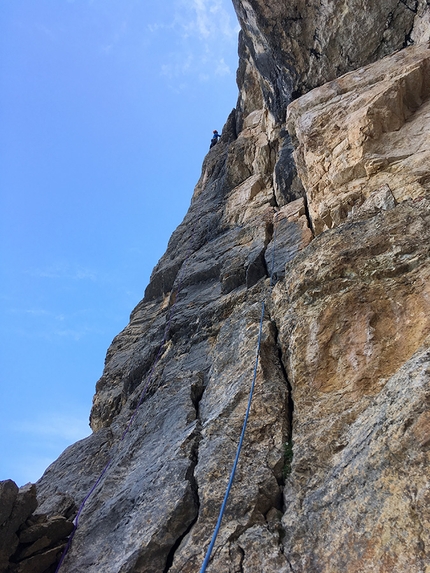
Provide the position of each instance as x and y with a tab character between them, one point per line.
343	373
29	543
363	132
367	505
421	31
296	46
356	344
291	235
167	477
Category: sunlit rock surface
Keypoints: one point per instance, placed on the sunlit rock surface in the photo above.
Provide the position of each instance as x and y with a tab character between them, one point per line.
365	134
356	342
333	472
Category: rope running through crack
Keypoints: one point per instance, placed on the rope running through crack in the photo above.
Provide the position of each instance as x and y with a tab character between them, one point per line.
248	409
143	394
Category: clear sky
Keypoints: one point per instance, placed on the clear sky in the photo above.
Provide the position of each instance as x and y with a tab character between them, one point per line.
106	112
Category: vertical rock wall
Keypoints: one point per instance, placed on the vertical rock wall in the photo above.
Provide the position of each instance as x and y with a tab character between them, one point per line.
332	475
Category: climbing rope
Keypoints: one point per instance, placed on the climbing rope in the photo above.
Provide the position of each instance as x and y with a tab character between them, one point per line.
239	447
141	398
142	395
245	421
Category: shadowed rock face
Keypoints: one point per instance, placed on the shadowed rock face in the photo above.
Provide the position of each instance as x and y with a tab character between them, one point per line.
343	370
29	542
296	46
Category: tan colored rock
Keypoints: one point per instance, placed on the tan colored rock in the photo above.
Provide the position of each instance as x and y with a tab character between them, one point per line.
354	325
363	131
345	334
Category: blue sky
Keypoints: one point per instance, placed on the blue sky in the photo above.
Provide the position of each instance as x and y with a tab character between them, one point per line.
106	112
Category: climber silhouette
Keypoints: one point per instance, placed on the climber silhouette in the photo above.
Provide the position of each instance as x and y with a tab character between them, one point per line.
215	138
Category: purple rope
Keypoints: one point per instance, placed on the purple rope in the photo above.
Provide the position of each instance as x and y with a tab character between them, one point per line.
76	520
142	395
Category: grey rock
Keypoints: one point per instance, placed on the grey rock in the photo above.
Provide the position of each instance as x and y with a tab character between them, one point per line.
88	457
300	45
54	529
40	563
24	505
334	376
8	493
380	200
55	504
291	234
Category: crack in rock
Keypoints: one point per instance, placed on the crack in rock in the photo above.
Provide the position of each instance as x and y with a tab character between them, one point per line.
197	391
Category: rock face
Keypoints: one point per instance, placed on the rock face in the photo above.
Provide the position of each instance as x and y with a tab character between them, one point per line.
299	45
30	542
323	212
357	340
366	134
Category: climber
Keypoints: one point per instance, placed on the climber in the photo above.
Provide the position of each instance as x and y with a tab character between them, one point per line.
215	138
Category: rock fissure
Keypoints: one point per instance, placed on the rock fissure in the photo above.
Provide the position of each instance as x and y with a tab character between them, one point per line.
413	8
289	563
342	339
197	391
287	438
415	516
408	39
241	559
176	545
308	215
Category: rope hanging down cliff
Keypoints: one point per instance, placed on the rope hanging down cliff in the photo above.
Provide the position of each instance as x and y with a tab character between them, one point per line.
142	396
245	421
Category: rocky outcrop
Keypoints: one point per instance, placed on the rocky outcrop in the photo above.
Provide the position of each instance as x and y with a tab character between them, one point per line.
321	211
296	46
168	475
366	134
30	542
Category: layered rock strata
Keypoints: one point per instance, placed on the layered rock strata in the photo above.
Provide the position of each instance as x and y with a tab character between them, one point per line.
365	134
30	542
333	472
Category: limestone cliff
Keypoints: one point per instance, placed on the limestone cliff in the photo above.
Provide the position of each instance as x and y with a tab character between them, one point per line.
322	180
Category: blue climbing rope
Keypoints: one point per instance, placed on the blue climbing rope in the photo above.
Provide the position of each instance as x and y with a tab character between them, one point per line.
142	395
239	447
245	421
